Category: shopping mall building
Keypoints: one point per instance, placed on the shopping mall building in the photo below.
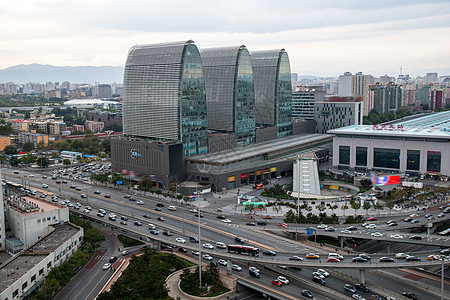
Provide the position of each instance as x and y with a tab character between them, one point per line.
413	145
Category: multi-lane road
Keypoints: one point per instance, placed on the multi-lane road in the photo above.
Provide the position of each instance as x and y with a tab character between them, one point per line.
184	223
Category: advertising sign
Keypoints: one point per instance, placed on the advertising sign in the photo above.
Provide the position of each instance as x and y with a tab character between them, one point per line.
385	180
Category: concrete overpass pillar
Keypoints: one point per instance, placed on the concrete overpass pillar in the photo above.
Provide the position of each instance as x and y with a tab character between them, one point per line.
158	246
229	270
388	247
362	276
428	230
341	241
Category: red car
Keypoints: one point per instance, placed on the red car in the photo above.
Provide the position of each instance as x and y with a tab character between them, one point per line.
332	259
282	225
160	218
371	219
276	282
72	186
107	196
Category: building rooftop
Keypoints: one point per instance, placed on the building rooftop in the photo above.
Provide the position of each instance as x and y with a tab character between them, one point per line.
246	152
435	125
18	265
26	205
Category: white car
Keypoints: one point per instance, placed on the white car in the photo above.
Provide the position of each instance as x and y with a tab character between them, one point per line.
139	202
207	257
180	240
358	297
401	255
376	234
221	245
346	231
283	280
222	262
318	274
323	272
396	236
413	215
106	266
208	246
371	226
236	268
45	186
196	253
226	221
193	210
322	226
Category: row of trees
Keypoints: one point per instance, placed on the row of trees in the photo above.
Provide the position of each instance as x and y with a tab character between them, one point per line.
293	217
61	275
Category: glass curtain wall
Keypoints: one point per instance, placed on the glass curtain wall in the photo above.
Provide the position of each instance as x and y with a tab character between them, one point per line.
386	158
413	160
193	105
344	155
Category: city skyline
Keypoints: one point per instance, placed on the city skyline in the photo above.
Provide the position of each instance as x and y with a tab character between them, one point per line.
322	39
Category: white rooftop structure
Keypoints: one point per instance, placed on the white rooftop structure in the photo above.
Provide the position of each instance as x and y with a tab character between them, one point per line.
427	126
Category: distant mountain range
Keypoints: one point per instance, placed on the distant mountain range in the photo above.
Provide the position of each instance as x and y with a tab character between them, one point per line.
44	73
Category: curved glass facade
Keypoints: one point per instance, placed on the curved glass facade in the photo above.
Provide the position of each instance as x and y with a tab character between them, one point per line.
273	91
194	122
229	91
164	95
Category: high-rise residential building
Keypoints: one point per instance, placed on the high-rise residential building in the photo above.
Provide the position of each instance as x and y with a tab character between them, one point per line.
360	88
164	95
229	91
408	94
104	91
385	79
345	85
336	112
385	98
273	90
436	98
303	99
431	78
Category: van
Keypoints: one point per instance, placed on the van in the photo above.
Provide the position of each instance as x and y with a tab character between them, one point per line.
335	255
151	227
193	239
173	208
221	245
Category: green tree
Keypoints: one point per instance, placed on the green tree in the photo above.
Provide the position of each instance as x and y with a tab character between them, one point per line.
55	154
28	158
94	237
10	149
355	205
390	204
43	162
321	207
28	146
66	162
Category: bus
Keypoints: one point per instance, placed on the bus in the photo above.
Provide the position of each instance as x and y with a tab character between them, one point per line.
244	250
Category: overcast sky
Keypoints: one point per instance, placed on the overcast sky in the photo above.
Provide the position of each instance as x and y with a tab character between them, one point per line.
322	37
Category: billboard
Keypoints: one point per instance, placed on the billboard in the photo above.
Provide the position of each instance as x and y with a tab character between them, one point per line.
385	180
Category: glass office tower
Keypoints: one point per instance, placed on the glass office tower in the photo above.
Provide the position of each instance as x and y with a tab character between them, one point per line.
164	95
273	90
229	91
